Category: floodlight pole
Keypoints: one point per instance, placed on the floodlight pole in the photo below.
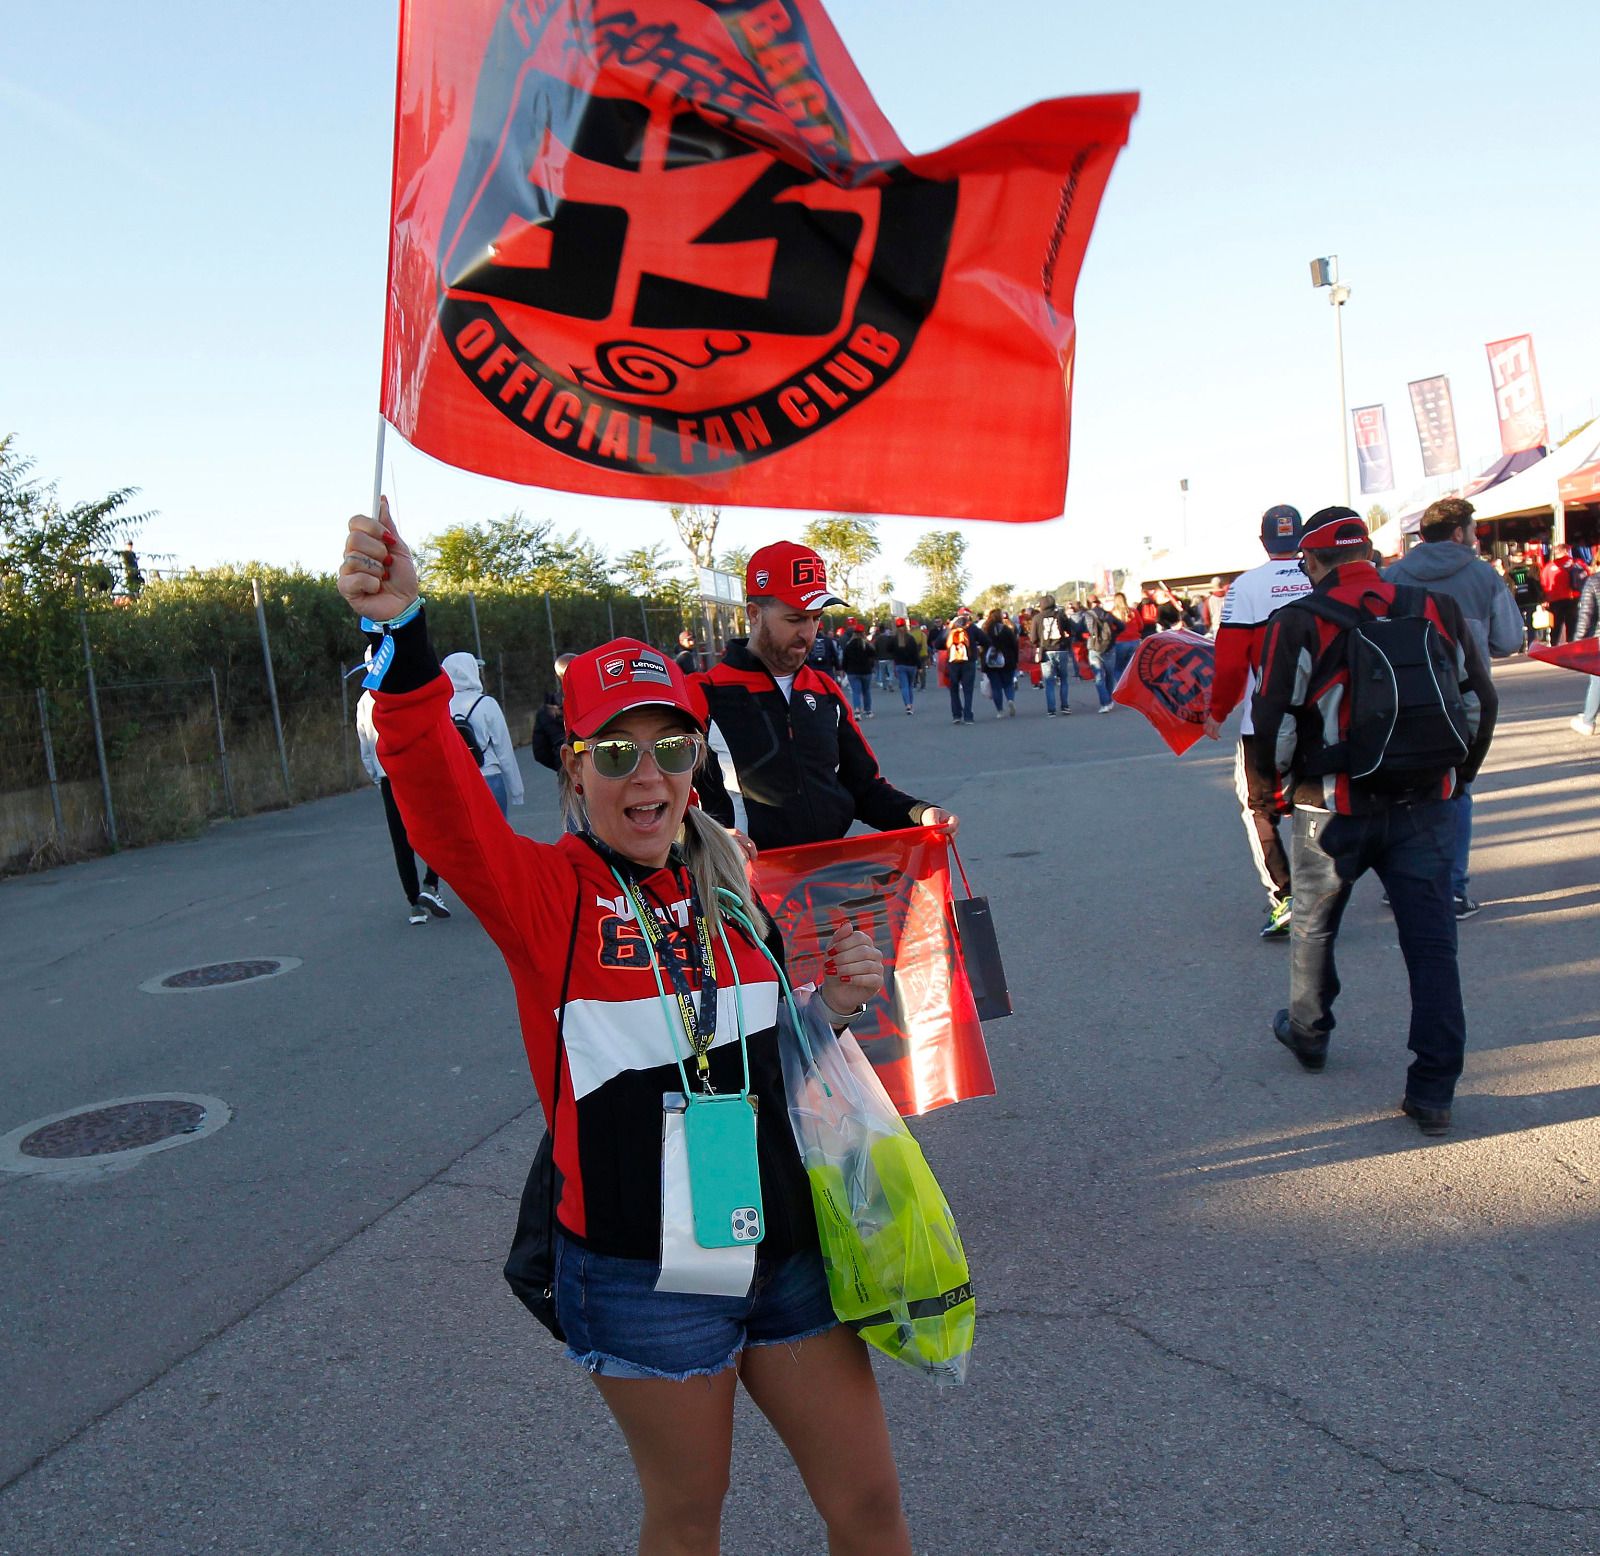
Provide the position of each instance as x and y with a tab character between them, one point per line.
1325	272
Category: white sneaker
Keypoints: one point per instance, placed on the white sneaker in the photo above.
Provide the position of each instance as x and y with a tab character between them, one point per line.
433	901
1106	709
419	914
1581	727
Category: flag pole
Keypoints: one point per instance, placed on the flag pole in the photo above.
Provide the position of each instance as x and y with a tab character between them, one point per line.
377	467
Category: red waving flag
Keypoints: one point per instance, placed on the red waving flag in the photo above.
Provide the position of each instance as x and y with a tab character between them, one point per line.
923	1036
672	250
1169	681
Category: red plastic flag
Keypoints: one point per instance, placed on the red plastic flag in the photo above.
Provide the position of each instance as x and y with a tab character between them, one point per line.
1169	681
1583	656
923	1036
672	250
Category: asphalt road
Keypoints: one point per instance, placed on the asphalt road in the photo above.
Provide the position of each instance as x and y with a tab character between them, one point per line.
1225	1306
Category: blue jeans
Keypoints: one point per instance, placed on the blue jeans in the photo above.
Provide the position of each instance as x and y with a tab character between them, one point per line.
1101	665
1461	810
1053	667
1121	657
885	674
1412	848
861	693
1591	702
961	678
906	675
497	787
1002	688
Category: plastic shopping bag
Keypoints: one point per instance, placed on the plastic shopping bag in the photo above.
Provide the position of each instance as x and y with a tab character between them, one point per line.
897	1272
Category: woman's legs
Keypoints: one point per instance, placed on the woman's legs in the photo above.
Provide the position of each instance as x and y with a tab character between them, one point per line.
681	1439
907	677
822	1400
997	690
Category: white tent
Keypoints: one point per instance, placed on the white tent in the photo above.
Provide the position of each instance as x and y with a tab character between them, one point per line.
1534	490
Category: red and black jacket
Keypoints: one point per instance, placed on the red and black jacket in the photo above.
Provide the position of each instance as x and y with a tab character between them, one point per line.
790	770
535	900
1302	705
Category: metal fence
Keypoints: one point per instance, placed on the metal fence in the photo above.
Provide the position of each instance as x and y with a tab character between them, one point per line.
99	765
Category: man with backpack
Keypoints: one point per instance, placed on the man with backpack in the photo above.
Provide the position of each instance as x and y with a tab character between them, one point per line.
1448	562
1562	578
963	647
1048	632
483	729
1375	708
1100	629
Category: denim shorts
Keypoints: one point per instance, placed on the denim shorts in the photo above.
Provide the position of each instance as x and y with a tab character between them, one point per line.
618	1325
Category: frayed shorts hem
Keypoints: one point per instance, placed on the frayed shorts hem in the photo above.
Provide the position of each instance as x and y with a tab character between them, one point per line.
604	1365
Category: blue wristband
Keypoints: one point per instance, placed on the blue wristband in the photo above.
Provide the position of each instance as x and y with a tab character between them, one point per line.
384	657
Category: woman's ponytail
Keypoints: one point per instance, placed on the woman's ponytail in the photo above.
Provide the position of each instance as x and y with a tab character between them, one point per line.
714	860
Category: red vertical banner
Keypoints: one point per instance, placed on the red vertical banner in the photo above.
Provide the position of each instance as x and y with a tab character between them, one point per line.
1517	401
1372	449
923	1035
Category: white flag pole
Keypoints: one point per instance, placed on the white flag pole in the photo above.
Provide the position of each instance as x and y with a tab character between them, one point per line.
377	467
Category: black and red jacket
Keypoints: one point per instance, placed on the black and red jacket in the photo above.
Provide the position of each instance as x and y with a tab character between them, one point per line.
790	770
1302	705
535	900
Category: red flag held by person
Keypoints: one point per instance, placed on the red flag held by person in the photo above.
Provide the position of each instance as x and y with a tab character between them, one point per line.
923	1035
674	251
1169	681
1583	656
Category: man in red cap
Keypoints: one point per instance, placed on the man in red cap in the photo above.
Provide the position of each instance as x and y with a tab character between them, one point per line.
790	762
1370	765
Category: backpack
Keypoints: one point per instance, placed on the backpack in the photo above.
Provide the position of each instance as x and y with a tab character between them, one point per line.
994	660
956	646
1103	630
1049	633
1577	576
463	724
1406	722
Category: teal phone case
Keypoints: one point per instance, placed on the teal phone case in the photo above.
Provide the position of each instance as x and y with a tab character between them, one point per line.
724	1171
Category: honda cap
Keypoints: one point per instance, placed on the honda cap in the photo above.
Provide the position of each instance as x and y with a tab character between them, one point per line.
793	575
620	675
1334	529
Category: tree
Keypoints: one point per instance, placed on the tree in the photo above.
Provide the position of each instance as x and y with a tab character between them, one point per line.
505	550
697	529
846	544
645	571
999	594
1377	516
940	554
45	549
734	560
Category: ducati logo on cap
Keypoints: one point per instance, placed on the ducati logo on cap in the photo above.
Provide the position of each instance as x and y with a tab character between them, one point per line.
612	669
761	579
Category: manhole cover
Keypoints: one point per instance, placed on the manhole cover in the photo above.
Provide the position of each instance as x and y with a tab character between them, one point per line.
219	975
121	1127
109	1133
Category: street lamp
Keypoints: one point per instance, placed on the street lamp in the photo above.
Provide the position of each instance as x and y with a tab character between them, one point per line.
1325	272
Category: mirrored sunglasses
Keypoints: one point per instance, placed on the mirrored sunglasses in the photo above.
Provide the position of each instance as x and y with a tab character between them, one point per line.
617	757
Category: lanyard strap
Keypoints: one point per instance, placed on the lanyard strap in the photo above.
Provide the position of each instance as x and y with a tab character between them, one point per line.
699	1028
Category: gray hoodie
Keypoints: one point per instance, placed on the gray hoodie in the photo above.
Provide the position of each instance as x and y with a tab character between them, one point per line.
1448	567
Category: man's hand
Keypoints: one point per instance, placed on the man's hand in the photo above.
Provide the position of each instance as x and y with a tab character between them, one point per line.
378	576
944	821
1213	729
852	971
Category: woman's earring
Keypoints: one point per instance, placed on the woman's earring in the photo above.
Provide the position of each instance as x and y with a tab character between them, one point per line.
578	787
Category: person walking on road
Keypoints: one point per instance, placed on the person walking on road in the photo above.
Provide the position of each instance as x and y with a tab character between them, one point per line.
1048	633
907	655
424	897
789	762
1000	662
1522	577
484	730
581	924
860	666
1363	803
1250	603
1586	626
1100	630
1562	578
1448	562
963	647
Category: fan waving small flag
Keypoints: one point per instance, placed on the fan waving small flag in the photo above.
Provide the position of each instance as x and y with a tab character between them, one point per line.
674	251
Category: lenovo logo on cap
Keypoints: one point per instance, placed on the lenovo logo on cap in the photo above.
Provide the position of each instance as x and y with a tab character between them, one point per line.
619	670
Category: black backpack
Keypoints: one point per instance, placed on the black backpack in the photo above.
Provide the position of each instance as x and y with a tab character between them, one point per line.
463	724
1406	724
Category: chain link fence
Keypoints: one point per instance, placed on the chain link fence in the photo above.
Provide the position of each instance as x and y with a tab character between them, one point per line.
132	762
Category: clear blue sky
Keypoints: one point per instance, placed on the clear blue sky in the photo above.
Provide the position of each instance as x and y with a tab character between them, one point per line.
192	279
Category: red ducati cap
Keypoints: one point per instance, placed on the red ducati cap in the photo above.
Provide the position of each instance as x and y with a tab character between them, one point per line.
793	575
623	674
